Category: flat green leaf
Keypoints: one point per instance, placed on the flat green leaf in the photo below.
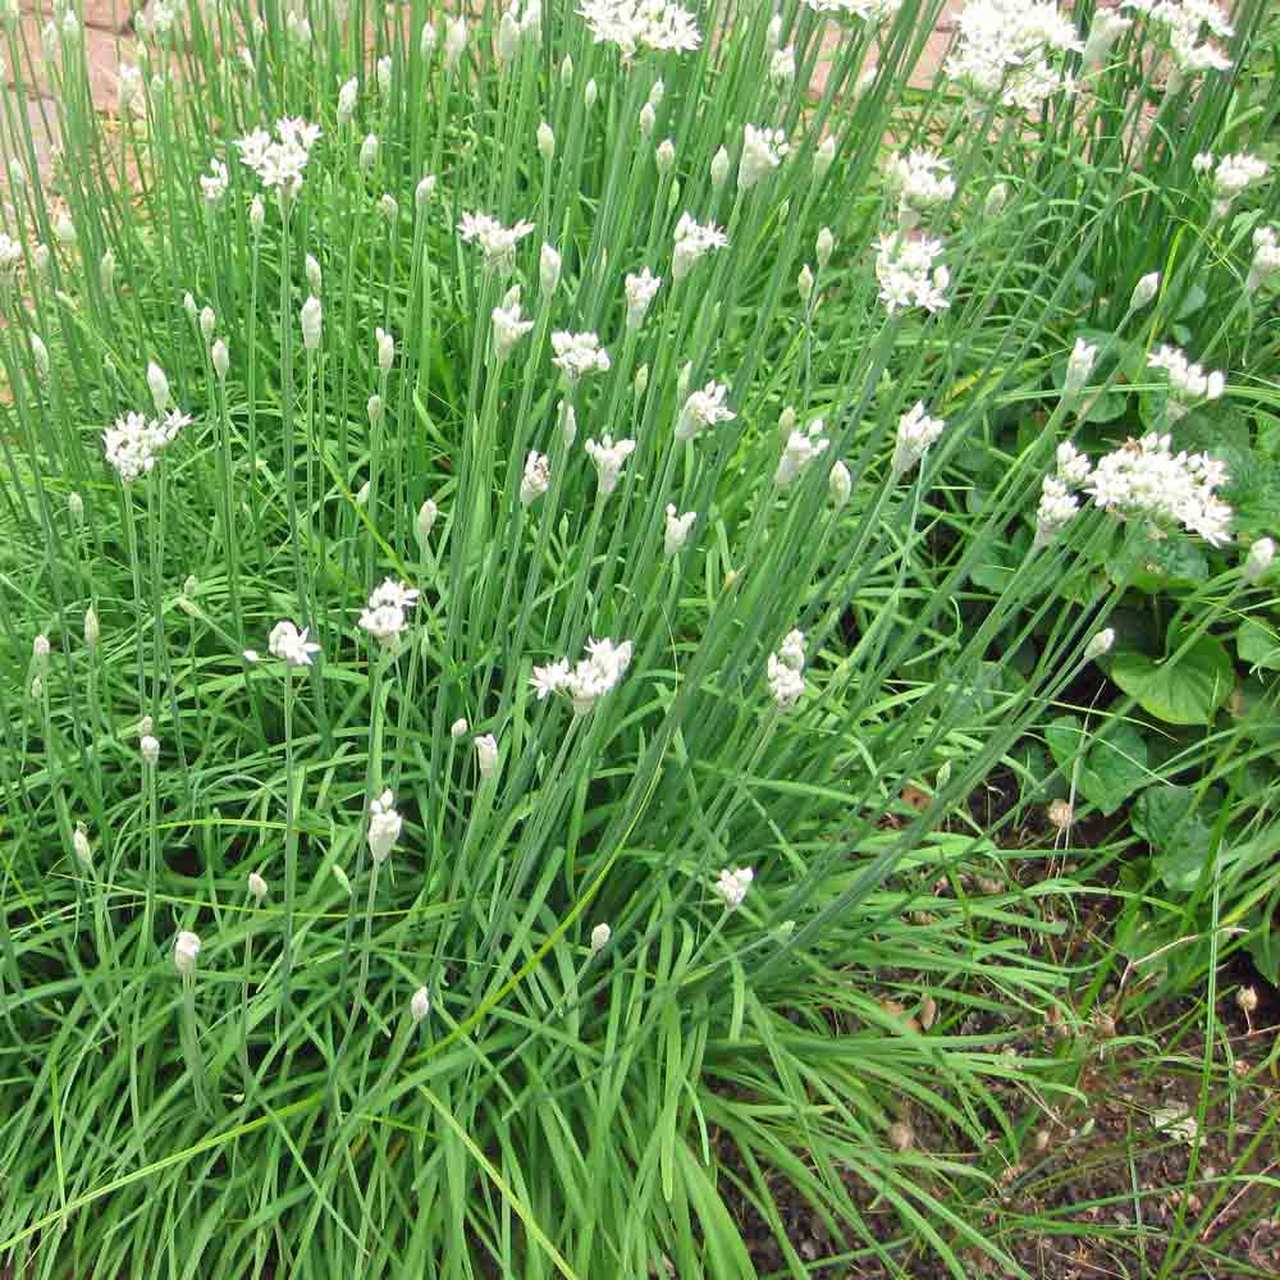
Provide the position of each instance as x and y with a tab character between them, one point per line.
1168	819
1188	691
1258	645
1111	769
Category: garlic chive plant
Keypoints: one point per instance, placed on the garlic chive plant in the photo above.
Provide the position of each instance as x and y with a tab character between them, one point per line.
473	414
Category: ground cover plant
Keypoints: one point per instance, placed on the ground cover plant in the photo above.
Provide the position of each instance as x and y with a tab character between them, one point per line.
524	528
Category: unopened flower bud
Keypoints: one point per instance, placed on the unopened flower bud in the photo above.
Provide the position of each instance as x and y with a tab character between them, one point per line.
189	306
648	118
312	319
344	883
315	278
719	168
665	156
548	269
368	152
1259	559
220	357
1144	291
642	380
1060	814
600	936
389	208
840	484
383	73
566	71
824	158
257	214
683	378
190	586
159	385
75	505
422	192
487	755
257	887
458	729
81	847
40	648
427	41
186	948
546	142
804	284
386	349
347	95
208	321
150	749
424	523
92	628
825	246
373	407
1100	644
419	1005
568	423
1247	1000
996	198
107	272
362	495
64	230
40	357
590	94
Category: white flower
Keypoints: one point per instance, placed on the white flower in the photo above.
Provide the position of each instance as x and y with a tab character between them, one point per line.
548	269
640	290
1144	479
632	25
1057	505
801	449
1099	644
312	322
186	947
609	459
1187	382
907	276
1073	466
386	614
589	679
864	10
10	256
692	241
290	645
731	887
213	185
839	485
131	92
347	96
257	887
782	67
1233	175
600	936
280	162
384	826
134	442
677	530
785	670
762	153
487	755
922	179
578	354
1259	559
537	477
149	746
1184	23
1266	258
419	1005
1079	367
497	242
1012	50
916	432
703	409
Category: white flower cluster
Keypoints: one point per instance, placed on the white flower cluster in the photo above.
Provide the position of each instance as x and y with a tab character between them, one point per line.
1232	175
609	457
731	888
384	826
1057	506
1188	382
1188	25
1106	28
1144	479
1266	258
801	448
578	354
280	162
537	477
496	241
290	645
677	529
786	670
213	185
386	614
922	180
692	241
632	25
864	10
589	679
10	256
762	152
1012	49
916	432
509	326
703	409
640	290
907	276
134	442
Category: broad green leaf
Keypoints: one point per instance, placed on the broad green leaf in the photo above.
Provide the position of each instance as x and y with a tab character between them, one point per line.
1258	645
1111	769
1168	819
1188	691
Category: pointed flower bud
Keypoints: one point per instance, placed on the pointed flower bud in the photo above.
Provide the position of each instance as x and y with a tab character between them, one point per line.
1144	291
257	887
600	936
186	947
546	142
1259	559
312	318
1100	644
159	386
419	1005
